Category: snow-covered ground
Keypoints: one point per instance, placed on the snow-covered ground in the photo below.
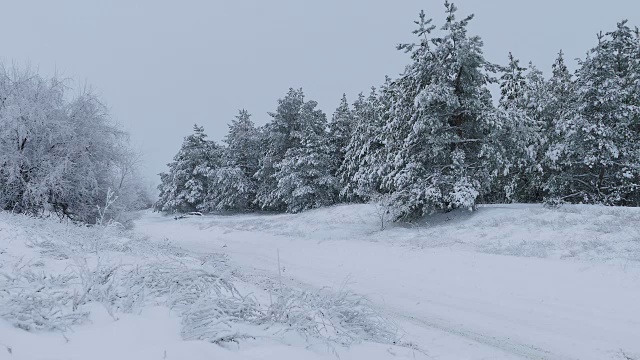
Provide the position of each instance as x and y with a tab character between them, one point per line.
69	292
505	282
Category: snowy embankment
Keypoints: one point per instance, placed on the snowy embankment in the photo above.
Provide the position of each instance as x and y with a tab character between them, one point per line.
70	292
506	282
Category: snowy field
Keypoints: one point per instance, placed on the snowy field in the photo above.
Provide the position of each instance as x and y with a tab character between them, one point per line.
506	282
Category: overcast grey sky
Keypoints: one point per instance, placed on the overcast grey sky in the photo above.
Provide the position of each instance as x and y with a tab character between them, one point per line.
162	66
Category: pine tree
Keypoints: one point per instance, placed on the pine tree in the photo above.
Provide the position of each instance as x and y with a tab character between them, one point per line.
560	110
597	158
521	137
304	175
513	85
562	92
340	130
186	186
232	186
229	189
278	136
440	112
364	151
243	144
293	142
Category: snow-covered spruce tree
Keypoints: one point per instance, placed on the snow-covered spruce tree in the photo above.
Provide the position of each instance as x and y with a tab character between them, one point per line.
295	173
304	176
243	143
57	154
364	152
559	109
278	136
521	136
187	184
340	130
595	157
561	104
439	117
232	186
229	189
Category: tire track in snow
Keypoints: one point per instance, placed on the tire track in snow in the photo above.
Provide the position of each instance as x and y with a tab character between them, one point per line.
524	351
263	267
258	276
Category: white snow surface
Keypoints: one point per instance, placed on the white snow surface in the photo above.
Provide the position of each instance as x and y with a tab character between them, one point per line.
151	330
504	282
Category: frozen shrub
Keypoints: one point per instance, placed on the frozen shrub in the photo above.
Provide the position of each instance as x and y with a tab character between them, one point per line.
220	319
343	317
36	301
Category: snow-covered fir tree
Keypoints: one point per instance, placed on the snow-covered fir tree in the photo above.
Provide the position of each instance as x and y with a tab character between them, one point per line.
439	117
243	143
340	132
521	136
596	154
232	186
278	136
305	179
186	187
365	150
560	109
295	139
513	84
229	189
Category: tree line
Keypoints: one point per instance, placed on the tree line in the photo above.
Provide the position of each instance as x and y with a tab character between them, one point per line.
433	138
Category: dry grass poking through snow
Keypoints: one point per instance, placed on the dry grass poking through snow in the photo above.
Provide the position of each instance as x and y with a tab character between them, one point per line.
50	274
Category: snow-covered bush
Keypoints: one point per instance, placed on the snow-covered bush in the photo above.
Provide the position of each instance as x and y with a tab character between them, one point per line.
343	317
103	284
218	318
384	209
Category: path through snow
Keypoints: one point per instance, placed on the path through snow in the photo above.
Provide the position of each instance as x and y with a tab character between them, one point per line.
443	283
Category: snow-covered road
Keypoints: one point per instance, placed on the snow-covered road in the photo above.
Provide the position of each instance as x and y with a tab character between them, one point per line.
452	300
